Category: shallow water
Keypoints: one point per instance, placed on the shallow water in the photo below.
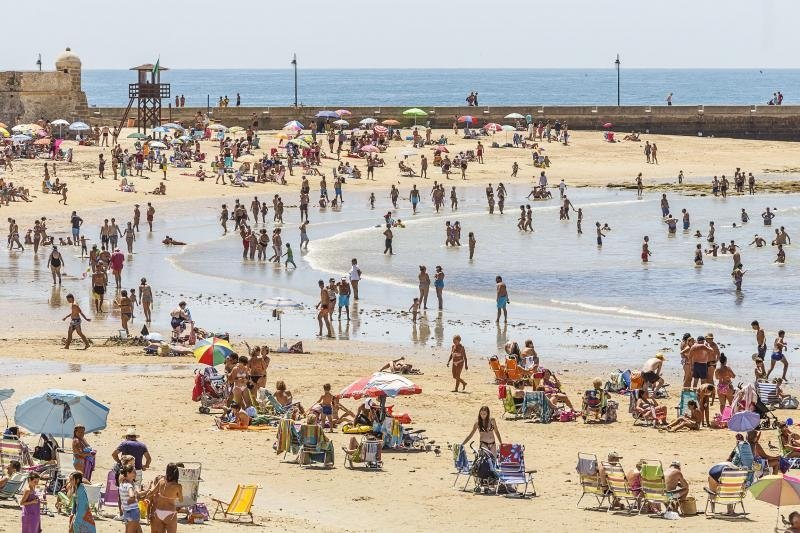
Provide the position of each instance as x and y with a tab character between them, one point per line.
31	367
576	300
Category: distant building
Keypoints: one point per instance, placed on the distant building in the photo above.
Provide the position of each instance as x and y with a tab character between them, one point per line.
32	95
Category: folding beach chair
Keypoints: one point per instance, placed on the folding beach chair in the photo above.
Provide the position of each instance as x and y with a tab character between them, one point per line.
461	462
743	458
110	493
511	469
686	397
93	496
594	401
510	407
538	405
638	418
240	505
189	480
498	369
513	371
12	449
654	487
587	469
288	438
793	462
316	447
768	393
11	489
368	453
619	488
731	490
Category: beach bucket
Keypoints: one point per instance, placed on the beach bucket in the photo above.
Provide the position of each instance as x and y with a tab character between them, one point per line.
688	506
501	392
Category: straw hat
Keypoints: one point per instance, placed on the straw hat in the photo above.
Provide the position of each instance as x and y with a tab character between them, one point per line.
131	432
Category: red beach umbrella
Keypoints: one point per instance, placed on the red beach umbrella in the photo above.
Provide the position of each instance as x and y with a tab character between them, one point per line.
380	384
492	126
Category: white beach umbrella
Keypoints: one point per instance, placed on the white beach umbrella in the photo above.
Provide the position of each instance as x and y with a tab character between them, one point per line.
514	115
79	126
408	152
217	127
368	121
159	129
279	304
60	122
157	144
19	138
341	122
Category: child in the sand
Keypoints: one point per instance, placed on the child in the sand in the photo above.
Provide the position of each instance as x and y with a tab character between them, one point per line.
691	419
326	402
414	309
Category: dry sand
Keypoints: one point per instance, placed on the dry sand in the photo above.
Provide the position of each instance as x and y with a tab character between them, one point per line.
414	492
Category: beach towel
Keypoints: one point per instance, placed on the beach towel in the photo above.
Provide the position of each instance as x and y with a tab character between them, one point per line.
586	466
312	436
745	398
283	437
31	517
537	402
460	459
88	467
83	521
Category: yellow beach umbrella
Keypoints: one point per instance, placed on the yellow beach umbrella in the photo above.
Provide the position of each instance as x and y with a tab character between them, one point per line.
282	135
4	132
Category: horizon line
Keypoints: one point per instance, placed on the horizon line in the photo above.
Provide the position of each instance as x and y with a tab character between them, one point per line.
463	68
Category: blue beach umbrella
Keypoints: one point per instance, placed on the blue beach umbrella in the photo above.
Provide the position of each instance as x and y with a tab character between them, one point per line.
744	421
327	114
79	126
19	138
5	394
57	412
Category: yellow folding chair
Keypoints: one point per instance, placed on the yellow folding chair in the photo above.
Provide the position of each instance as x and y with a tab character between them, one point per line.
240	505
590	479
619	488
731	490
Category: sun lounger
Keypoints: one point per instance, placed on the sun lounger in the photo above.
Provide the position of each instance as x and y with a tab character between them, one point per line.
239	506
511	469
587	469
731	490
619	489
11	489
768	393
654	487
368	453
498	369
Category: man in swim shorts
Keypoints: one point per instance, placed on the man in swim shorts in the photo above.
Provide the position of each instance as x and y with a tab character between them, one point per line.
651	370
699	355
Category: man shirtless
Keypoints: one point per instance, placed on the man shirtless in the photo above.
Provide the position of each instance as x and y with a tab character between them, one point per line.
699	355
651	370
99	282
75	315
761	339
675	480
323	314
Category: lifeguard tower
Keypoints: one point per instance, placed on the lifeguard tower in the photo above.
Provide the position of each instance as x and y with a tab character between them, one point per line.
147	92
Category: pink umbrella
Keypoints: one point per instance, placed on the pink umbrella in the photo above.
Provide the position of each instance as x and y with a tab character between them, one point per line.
380	129
380	384
492	126
608	125
441	148
343	112
370	148
469	119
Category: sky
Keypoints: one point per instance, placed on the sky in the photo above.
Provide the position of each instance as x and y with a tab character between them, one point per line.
407	33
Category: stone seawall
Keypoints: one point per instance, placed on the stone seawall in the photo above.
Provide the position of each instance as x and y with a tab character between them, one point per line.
754	122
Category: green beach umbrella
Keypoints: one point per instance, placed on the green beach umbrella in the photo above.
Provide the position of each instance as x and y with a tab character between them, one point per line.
414	112
137	135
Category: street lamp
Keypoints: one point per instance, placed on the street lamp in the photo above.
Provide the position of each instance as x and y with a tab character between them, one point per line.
616	63
294	63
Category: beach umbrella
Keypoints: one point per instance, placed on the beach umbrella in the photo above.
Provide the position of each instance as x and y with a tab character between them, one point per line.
380	384
137	135
493	126
327	114
282	135
343	112
778	490
608	125
236	129
469	119
408	152
380	129
157	144
5	394
506	127
19	138
441	148
293	125
341	122
744	421
414	112
172	126
178	141
3	125
279	305
4	132
370	148
79	126
159	129
367	121
390	122
299	142
42	142
514	115
217	127
59	122
212	351
57	412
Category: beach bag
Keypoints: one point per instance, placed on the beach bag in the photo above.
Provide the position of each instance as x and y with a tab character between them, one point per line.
45	450
688	506
501	392
567	416
198	513
789	403
611	411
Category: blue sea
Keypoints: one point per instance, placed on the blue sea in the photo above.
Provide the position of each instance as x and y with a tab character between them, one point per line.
449	87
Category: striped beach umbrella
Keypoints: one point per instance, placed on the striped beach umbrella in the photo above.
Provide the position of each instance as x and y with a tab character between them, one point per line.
293	125
493	126
380	129
212	351
380	384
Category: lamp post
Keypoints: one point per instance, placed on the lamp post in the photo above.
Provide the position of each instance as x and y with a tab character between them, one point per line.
294	64
616	63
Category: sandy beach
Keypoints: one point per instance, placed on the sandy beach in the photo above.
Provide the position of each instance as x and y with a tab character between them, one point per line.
414	492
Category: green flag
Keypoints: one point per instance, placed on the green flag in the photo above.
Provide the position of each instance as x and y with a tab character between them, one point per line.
155	69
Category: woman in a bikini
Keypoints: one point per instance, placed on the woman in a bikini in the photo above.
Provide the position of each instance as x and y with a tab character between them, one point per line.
257	367
487	431
458	356
164	497
238	376
724	376
146	299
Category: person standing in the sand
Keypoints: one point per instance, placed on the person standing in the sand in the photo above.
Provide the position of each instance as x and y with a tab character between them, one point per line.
438	284
151	211
75	315
458	356
355	277
502	299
